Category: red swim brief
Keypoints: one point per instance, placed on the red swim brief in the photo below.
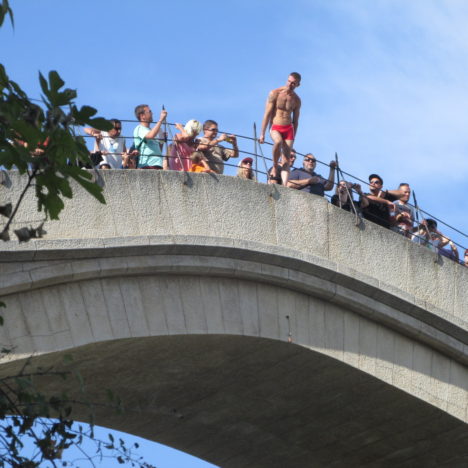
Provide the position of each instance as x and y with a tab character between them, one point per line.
286	131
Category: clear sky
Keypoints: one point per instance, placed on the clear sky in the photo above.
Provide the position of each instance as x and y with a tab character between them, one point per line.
385	82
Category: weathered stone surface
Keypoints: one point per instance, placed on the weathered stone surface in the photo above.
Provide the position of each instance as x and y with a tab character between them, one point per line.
183	292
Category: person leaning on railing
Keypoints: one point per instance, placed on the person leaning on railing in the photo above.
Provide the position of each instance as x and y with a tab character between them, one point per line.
342	199
429	236
381	202
110	147
214	153
307	180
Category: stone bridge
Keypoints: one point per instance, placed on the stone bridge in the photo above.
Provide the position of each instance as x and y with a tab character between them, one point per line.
249	325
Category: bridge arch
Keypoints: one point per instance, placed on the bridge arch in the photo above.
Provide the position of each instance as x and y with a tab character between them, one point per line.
194	292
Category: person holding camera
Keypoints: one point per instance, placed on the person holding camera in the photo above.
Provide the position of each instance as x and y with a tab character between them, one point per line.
344	193
109	148
214	153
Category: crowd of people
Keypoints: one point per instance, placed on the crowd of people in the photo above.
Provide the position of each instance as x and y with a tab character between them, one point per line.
188	151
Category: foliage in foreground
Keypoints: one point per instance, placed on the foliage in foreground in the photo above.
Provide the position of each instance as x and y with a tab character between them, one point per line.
40	141
32	419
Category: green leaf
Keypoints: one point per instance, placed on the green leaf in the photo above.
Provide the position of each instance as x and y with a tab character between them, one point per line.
100	124
44	85
4	11
55	81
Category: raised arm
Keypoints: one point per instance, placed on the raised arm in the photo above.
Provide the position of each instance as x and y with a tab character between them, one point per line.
155	130
183	135
267	116
362	198
331	177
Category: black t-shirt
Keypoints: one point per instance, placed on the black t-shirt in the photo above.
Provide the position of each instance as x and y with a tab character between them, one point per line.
378	212
345	206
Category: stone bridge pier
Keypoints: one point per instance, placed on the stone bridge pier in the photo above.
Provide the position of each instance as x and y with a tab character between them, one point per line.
249	325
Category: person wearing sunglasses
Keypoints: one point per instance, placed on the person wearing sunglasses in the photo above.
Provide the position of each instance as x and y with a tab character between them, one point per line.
110	145
244	170
307	180
215	154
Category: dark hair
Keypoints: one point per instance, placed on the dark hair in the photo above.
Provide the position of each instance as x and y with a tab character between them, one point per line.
296	75
140	109
209	123
375	176
404	184
115	122
431	223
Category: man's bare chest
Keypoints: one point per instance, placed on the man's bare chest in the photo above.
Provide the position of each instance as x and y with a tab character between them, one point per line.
286	102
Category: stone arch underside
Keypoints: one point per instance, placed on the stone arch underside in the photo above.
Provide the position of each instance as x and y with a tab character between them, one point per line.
253	402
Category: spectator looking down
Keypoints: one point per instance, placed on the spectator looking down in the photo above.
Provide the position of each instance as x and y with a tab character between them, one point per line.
307	180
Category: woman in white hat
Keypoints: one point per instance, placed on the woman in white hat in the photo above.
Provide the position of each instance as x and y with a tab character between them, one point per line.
183	146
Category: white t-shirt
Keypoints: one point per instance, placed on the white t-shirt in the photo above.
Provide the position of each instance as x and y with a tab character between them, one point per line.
111	149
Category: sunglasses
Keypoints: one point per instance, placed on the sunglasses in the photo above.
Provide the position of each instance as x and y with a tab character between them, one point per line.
310	160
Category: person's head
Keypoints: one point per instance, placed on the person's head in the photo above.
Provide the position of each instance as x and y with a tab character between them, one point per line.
143	113
292	157
342	186
210	129
309	162
245	169
104	166
431	224
193	127
116	129
294	81
375	183
196	157
405	188
466	257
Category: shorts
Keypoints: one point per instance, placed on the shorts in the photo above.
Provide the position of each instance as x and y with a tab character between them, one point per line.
286	131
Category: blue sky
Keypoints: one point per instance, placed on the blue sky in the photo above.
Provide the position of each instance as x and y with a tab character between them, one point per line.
385	82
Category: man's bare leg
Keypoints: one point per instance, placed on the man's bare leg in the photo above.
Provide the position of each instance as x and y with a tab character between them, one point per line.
287	145
277	147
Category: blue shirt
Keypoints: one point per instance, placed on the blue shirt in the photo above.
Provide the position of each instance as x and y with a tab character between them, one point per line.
149	149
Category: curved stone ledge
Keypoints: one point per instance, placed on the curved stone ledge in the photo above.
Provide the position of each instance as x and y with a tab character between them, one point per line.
307	274
145	207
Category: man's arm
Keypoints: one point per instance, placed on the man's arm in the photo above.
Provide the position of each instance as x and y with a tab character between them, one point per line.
155	130
301	183
235	148
396	193
296	113
380	200
267	116
93	132
331	177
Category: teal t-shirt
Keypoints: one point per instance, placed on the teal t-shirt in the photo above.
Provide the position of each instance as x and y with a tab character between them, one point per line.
150	151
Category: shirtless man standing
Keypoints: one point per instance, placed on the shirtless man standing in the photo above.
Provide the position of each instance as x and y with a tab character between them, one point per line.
281	104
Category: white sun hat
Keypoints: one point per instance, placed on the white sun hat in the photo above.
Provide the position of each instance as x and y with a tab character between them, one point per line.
193	127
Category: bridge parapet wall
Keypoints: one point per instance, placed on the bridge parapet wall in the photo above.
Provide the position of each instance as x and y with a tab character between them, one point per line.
187	206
